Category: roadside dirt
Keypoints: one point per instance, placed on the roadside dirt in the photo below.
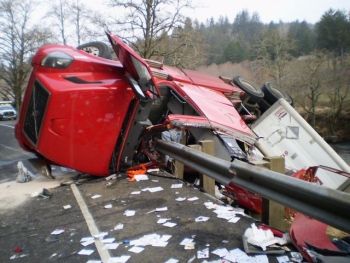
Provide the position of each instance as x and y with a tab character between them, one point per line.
13	194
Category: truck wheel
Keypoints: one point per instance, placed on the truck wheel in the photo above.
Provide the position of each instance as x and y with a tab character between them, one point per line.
254	94
271	95
97	48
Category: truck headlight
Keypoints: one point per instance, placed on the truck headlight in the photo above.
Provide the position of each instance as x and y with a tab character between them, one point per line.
57	59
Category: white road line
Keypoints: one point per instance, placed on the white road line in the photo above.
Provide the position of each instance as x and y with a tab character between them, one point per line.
104	253
8	126
14	149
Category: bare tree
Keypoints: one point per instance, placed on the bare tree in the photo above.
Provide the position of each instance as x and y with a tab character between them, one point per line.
309	81
149	21
83	21
18	41
184	47
338	88
273	53
60	12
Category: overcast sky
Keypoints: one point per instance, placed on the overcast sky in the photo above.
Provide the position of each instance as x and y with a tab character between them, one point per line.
269	10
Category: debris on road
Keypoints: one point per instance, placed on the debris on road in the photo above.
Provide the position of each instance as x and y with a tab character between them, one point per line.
204	253
65	207
129	213
176	186
57	232
119	226
86	252
136	249
111	246
96	196
153	189
45	194
154	240
24	175
121	259
202	219
169	224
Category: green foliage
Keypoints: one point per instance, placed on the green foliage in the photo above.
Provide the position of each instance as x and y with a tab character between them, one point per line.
303	36
333	32
234	52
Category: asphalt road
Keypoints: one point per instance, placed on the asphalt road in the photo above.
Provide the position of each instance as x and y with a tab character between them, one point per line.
25	230
10	151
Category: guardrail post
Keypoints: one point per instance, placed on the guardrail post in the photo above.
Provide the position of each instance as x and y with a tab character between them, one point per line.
208	182
178	166
273	213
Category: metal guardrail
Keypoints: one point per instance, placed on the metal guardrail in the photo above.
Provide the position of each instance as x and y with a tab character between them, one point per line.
322	203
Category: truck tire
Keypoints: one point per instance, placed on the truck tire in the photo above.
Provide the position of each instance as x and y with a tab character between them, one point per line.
255	94
97	48
271	95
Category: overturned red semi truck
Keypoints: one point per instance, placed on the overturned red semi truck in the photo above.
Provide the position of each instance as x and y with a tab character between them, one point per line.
89	113
84	110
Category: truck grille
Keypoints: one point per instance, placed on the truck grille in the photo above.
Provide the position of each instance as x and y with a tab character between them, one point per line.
35	112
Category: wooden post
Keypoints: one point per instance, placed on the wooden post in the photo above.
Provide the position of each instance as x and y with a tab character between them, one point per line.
275	213
179	170
208	182
178	166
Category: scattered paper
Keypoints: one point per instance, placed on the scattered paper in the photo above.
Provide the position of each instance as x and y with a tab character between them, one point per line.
136	192
175	186
96	196
119	226
259	237
204	253
141	177
153	170
121	259
234	220
161	209
84	239
151	239
111	246
180	199
86	252
185	241
129	212
88	242
221	252
171	260
261	259
238	254
108	206
108	240
57	232
202	219
101	235
162	220
283	259
155	181
189	246
94	261
67	207
193	198
169	224
136	249
155	189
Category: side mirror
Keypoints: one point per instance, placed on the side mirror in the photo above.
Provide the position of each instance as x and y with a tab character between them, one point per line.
137	89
